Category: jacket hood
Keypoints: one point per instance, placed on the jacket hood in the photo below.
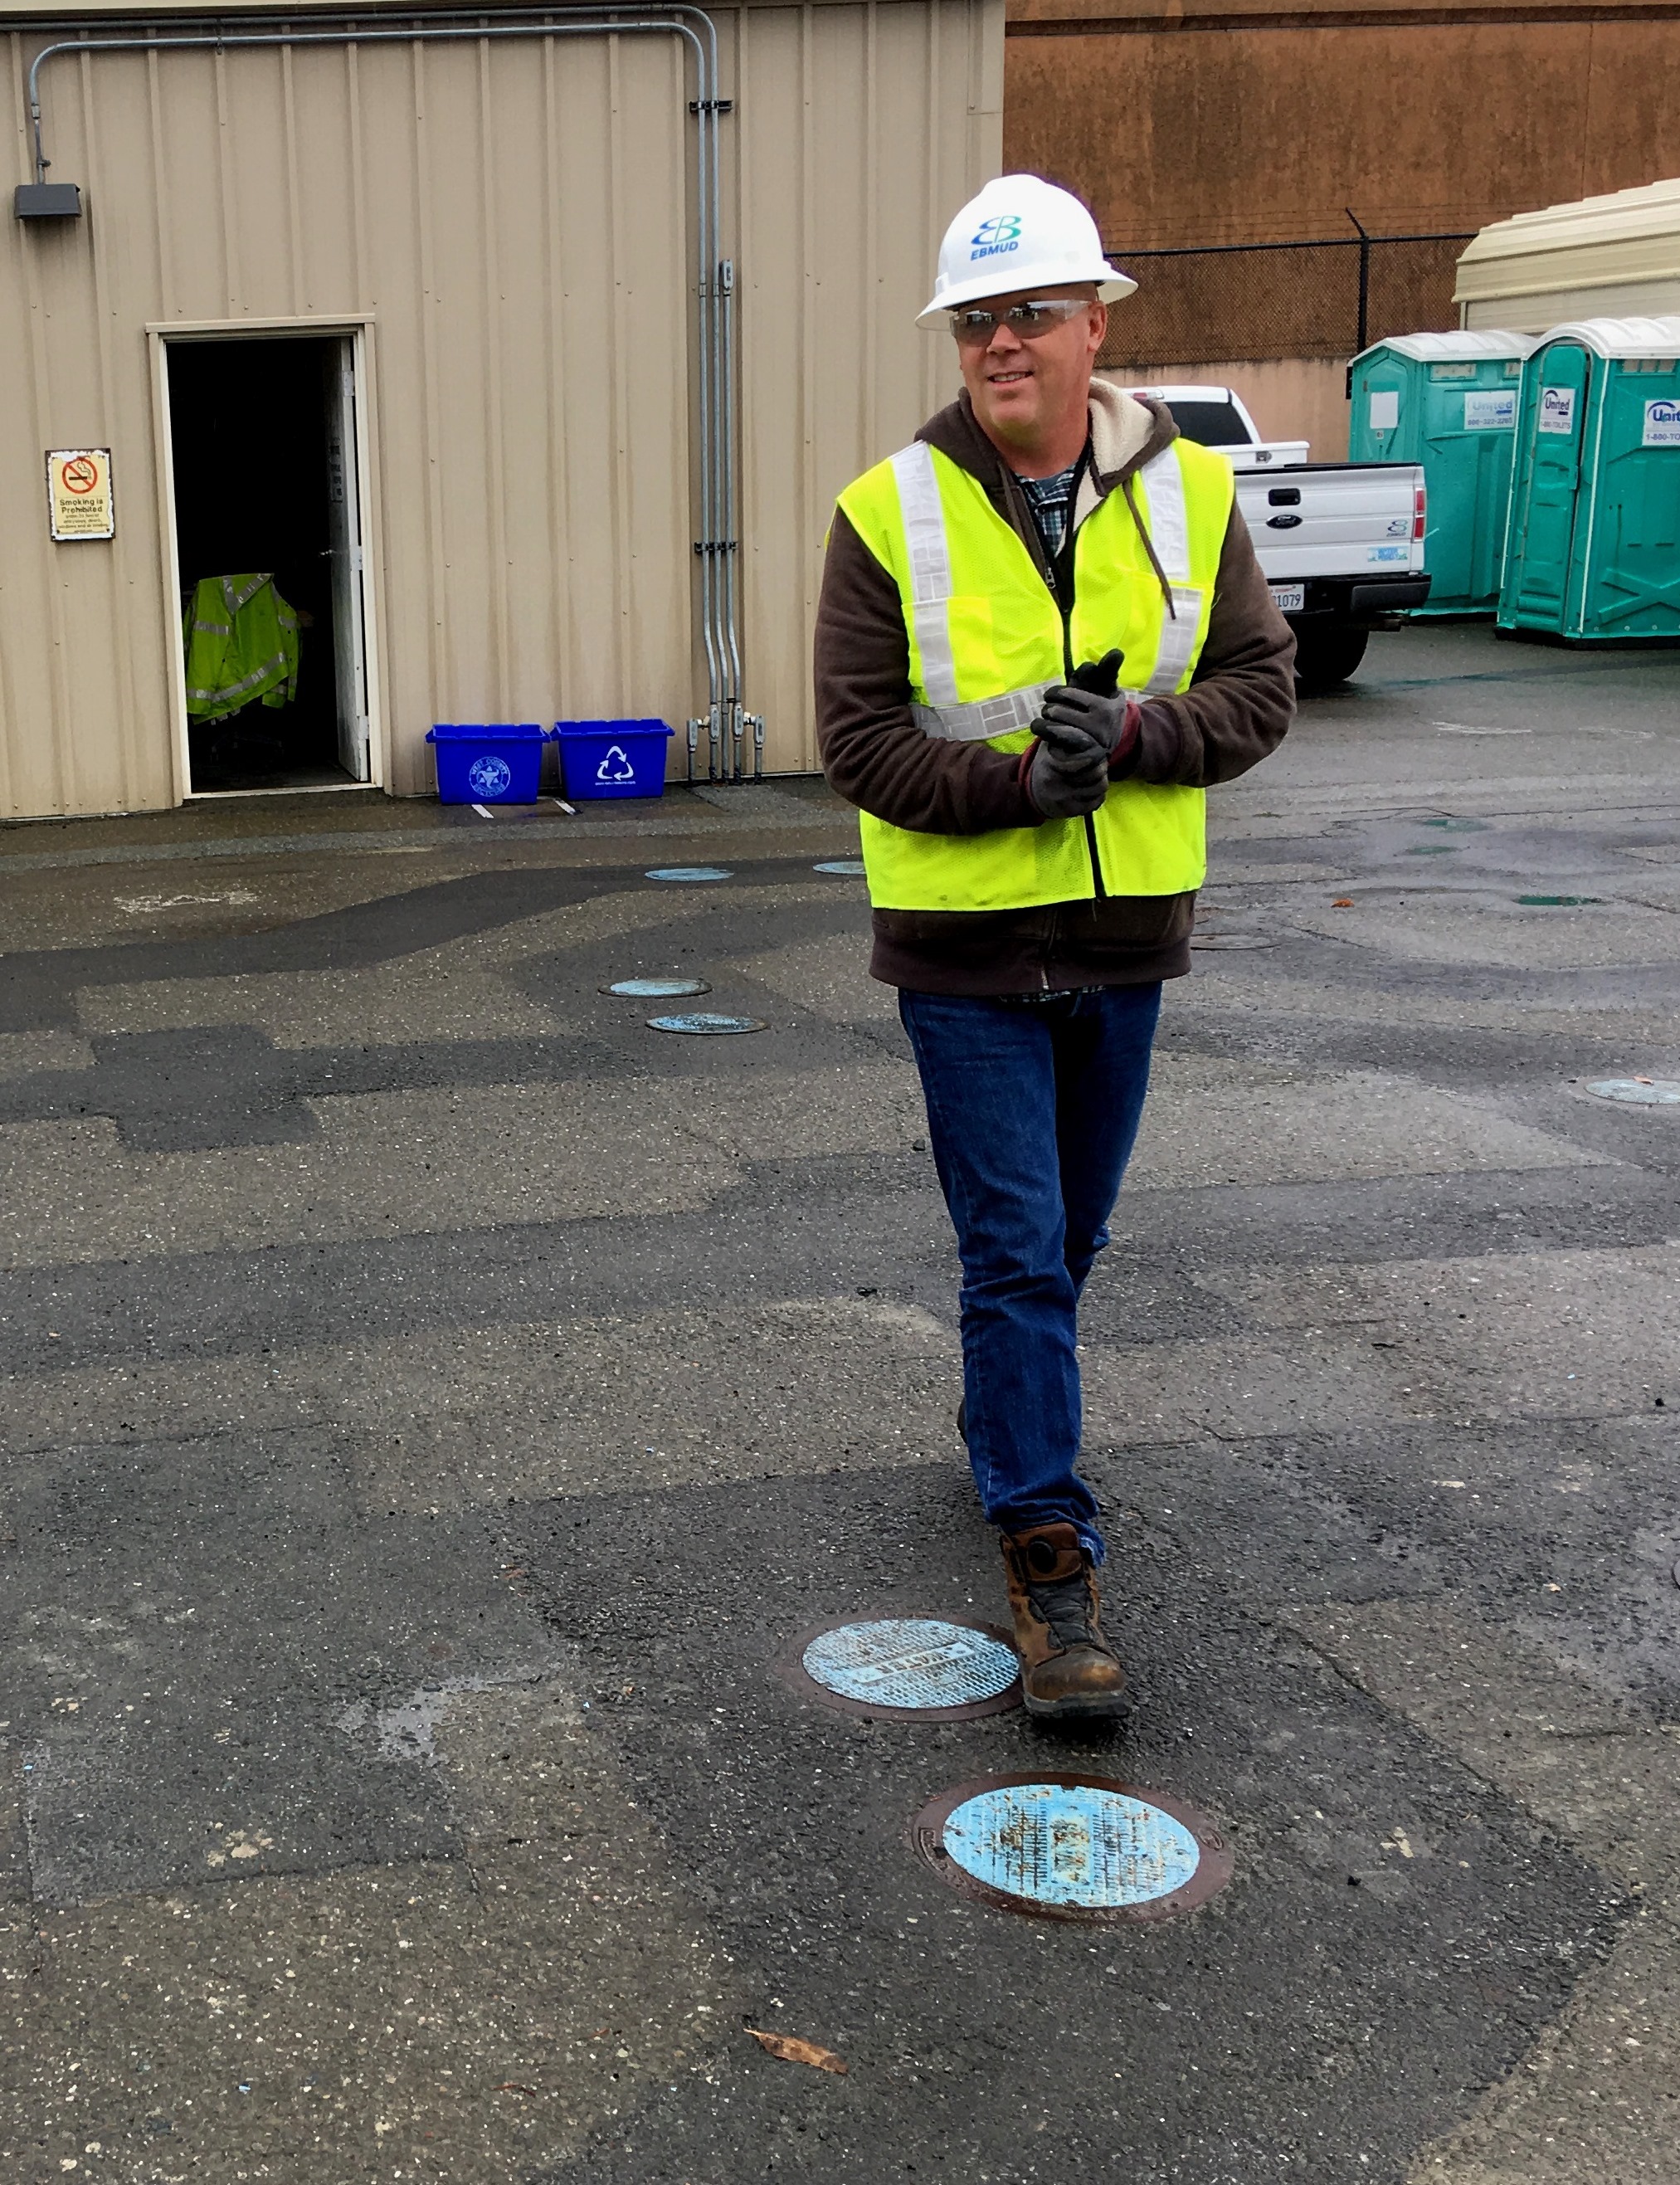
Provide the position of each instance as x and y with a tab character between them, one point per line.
1126	431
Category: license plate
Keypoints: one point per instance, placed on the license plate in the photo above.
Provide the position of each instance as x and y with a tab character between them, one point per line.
1291	598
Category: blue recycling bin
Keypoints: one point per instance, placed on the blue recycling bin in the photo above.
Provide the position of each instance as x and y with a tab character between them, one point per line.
1450	402
613	758
1594	550
487	762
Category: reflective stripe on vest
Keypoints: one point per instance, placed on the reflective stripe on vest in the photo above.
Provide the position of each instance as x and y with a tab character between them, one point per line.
942	713
929	570
986	640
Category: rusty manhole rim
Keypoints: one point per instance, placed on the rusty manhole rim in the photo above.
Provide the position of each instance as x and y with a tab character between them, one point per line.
789	1666
1215	1864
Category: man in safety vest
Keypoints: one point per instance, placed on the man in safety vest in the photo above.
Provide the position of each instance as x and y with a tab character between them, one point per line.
1042	635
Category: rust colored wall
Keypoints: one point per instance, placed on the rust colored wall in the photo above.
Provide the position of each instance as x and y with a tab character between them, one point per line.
1215	129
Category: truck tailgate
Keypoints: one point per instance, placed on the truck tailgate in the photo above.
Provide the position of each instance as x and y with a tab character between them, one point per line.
1334	519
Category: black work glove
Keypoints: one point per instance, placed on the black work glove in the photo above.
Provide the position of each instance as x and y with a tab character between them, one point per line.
1093	704
1067	775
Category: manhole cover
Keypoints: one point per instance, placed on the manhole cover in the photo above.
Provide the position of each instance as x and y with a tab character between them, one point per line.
690	873
656	990
706	1021
1557	902
1231	940
1432	849
849	869
1638	1092
927	1668
1073	1847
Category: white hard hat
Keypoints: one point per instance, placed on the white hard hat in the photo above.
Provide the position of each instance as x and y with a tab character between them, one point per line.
1020	232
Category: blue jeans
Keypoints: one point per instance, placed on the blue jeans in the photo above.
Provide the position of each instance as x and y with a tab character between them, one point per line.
1032	1111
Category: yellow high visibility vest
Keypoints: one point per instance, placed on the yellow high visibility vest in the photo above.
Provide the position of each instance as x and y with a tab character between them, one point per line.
986	642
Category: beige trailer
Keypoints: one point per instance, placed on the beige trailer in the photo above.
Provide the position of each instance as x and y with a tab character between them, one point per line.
1607	257
438	320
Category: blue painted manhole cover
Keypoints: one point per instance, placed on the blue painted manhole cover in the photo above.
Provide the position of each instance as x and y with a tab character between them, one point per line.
706	1021
1638	1092
848	869
1073	1847
914	1665
656	990
689	873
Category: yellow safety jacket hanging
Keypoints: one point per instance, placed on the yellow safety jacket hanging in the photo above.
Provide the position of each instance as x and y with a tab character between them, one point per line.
242	645
987	641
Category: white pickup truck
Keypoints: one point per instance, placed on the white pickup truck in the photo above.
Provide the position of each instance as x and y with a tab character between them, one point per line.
1341	543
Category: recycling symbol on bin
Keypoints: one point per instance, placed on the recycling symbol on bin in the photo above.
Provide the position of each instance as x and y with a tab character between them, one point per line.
489	776
616	765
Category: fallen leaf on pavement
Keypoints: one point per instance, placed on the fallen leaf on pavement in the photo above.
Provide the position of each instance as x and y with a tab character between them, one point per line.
792	2050
1342	903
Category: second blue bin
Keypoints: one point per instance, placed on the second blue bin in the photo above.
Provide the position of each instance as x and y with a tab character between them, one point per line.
613	758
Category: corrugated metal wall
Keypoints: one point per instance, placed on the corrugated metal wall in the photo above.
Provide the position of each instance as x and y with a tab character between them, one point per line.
515	220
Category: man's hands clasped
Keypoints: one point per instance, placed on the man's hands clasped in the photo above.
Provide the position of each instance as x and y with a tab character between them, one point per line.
1086	724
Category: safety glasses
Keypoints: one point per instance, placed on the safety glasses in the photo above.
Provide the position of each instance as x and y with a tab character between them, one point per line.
1027	321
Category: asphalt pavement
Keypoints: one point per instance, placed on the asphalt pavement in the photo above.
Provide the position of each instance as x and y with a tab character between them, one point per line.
435	1403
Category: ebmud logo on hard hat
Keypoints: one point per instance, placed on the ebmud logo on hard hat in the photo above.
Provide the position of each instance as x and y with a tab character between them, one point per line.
995	238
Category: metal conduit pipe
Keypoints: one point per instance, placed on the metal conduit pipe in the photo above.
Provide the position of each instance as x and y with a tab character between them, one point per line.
726	722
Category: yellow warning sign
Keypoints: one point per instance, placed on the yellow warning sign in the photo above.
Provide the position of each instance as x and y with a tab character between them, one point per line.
79	493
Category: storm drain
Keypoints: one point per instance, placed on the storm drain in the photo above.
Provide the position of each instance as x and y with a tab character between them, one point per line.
706	1022
1638	1092
848	869
690	873
656	990
915	1668
1073	1847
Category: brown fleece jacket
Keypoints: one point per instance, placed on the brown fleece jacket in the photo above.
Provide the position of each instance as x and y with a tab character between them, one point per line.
1238	707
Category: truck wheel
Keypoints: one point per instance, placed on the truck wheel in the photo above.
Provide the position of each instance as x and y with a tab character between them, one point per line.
1323	658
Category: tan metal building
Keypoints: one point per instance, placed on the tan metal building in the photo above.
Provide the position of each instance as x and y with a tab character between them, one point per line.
418	322
1606	257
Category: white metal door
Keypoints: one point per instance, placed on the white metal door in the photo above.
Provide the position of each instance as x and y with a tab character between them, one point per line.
349	650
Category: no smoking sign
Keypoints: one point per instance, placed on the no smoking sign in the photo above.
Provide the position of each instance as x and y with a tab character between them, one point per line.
79	493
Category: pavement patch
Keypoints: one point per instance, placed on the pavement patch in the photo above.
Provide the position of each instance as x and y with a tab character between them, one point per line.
1596	2096
432	1161
362	2023
1209	1121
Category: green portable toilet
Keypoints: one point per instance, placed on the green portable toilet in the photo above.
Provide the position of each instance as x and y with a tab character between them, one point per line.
1593	546
1447	401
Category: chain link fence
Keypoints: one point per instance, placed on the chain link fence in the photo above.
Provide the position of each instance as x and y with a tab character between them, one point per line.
1246	302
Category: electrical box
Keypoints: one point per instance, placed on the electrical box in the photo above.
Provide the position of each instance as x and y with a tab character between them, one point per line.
48	201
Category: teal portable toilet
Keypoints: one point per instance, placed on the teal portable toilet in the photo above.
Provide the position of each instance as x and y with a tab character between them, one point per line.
1593	547
1447	401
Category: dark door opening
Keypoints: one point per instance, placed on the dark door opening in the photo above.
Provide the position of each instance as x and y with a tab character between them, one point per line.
263	451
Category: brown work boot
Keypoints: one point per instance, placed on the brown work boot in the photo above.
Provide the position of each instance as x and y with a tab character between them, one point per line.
1069	1671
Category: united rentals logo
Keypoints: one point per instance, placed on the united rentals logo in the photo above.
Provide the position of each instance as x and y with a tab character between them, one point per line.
1662	425
996	237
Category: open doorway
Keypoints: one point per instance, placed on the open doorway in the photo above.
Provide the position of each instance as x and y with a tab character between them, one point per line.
263	453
